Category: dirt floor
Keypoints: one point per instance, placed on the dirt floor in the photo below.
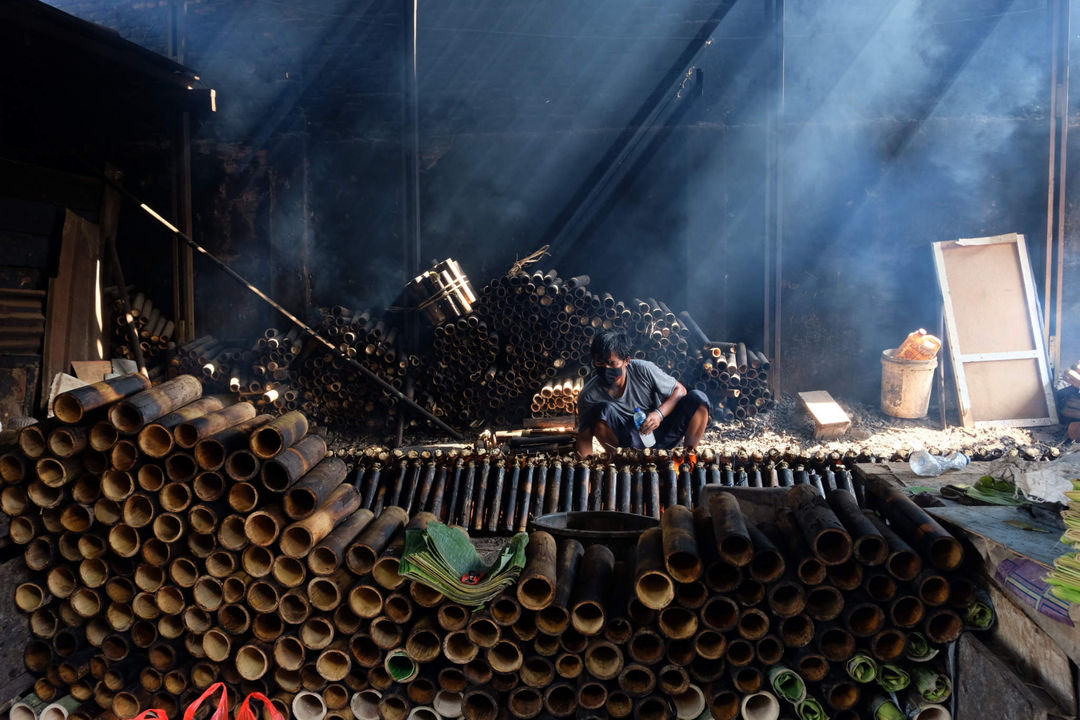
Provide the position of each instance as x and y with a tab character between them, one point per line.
787	427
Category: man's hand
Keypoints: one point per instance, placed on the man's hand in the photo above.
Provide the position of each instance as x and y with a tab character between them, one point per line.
652	421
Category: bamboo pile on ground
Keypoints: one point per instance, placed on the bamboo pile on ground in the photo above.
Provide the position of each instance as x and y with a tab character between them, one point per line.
179	539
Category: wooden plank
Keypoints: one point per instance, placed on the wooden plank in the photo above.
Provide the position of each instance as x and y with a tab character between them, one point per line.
991	522
91	371
830	420
986	681
1036	653
61	383
71	331
16	635
1001	370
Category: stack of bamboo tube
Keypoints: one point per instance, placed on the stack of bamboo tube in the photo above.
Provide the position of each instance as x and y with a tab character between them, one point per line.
557	398
526	329
155	329
179	540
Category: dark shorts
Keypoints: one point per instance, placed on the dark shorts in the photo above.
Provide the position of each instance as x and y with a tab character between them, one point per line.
671	430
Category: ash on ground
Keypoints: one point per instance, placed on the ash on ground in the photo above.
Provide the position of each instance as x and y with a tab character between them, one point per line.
788	428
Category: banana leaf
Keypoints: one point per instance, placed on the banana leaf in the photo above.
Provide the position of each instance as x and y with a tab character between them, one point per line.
919	648
440	556
883	708
862	668
811	709
980	616
787	684
892	677
931	684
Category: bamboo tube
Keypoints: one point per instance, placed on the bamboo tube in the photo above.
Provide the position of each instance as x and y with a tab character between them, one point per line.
797	631
326	557
902	562
637	680
189	432
505	656
819	525
536	588
569	666
282	471
941	626
304	497
298	539
555	618
761	705
505	610
64	441
591	694
680	550
835	643
870	547
652	708
365	704
156	438
307	705
362	554
132	413
591	590
730	530
458	648
720	613
212	452
653	587
673	680
724	703
71	406
483	631
242	465
273	438
423	644
824	603
57	472
525	703
846	576
103	436
646	647
560	700
914	524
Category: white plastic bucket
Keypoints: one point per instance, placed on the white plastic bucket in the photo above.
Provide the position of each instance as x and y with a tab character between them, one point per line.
906	385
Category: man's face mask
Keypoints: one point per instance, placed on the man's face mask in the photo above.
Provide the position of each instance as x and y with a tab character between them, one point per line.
608	376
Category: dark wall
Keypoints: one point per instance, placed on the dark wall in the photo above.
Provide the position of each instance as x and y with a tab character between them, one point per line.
903	122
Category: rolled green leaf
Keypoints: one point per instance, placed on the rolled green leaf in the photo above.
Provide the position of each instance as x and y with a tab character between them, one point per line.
885	709
811	709
893	677
980	616
787	684
862	668
931	684
919	648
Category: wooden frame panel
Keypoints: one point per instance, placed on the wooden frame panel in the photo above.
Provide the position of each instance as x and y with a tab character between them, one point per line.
994	332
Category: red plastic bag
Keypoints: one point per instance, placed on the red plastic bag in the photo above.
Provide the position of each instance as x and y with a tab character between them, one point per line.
152	714
222	711
246	713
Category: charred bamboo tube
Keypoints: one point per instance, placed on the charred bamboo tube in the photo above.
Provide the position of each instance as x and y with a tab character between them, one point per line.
869	547
156	438
915	525
426	485
73	405
902	562
536	587
479	704
671	485
835	643
680	549
465	516
941	626
555	618
190	432
326	557
312	490
132	413
362	554
637	680
732	537
652	585
525	702
560	700
591	590
64	442
584	487
272	439
807	567
211	453
863	619
822	530
724	702
824	603
298	539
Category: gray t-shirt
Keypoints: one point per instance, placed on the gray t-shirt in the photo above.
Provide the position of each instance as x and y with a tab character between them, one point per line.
647	386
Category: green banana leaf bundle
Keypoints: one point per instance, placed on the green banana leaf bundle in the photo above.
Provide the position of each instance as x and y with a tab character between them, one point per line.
892	677
980	615
995	492
1064	579
932	685
787	684
444	558
882	708
811	709
919	648
862	668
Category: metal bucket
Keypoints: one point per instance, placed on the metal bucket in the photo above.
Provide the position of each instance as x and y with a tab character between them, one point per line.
618	530
906	385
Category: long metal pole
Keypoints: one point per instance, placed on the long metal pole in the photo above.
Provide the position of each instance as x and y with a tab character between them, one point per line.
281	309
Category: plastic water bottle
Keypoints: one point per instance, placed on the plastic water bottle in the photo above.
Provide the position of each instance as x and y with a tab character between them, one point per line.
927	465
647	439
